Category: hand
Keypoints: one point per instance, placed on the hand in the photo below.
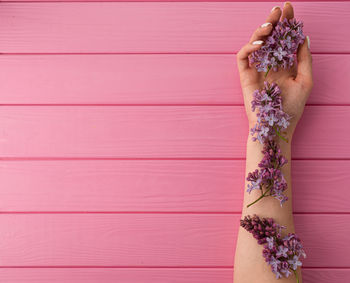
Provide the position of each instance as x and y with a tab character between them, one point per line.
295	83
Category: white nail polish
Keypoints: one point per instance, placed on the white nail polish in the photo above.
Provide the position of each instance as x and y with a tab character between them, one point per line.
265	25
308	41
257	42
274	8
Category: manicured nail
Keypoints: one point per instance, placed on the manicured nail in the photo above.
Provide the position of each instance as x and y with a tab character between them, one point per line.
285	3
265	25
257	42
274	8
308	41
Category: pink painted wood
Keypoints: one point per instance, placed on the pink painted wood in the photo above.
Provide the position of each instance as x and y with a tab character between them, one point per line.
152	240
158	132
128	79
159	185
149	275
98	193
158	27
164	1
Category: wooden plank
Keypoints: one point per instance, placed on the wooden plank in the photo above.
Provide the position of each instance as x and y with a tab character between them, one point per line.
152	239
151	275
128	79
112	275
159	185
326	275
158	132
162	1
160	27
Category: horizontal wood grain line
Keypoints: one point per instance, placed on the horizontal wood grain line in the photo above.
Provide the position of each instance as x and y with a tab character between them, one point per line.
125	267
143	53
145	105
166	1
173	80
153	267
55	158
150	275
167	240
155	132
162	212
159	186
161	27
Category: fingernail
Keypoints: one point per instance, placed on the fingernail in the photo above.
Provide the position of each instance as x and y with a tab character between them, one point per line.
274	8
285	3
308	41
265	25
257	42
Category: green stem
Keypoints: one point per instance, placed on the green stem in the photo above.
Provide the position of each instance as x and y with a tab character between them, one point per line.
259	198
296	275
279	134
268	70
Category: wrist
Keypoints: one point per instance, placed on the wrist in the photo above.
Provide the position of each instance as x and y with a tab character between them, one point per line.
285	136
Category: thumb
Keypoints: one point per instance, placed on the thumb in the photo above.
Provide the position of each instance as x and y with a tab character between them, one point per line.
304	71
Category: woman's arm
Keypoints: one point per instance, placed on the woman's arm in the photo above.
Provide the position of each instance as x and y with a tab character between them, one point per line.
295	84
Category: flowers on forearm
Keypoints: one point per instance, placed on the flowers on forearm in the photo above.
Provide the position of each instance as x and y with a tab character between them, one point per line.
280	47
271	122
269	178
271	119
282	253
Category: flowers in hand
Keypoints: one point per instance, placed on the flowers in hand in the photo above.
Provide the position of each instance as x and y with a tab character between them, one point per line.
282	253
269	178
280	47
272	120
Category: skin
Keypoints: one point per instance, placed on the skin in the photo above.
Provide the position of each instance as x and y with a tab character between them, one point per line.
296	85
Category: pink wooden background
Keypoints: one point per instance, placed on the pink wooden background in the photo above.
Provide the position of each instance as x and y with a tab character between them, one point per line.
122	141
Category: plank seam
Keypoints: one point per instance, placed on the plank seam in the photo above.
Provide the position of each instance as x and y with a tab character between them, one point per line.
148	104
156	158
157	1
148	267
144	53
162	212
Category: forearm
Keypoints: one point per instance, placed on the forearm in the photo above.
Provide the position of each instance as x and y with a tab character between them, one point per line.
268	206
250	266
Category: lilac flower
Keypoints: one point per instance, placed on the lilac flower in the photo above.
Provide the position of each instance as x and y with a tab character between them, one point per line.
282	251
272	120
283	254
295	262
270	242
269	177
280	47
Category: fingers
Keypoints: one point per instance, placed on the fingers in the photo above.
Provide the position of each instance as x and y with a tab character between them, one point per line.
256	40
288	12
304	71
261	32
266	28
274	16
242	55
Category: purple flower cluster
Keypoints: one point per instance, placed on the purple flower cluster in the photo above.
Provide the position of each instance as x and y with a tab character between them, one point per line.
280	47
271	119
271	122
269	175
283	254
